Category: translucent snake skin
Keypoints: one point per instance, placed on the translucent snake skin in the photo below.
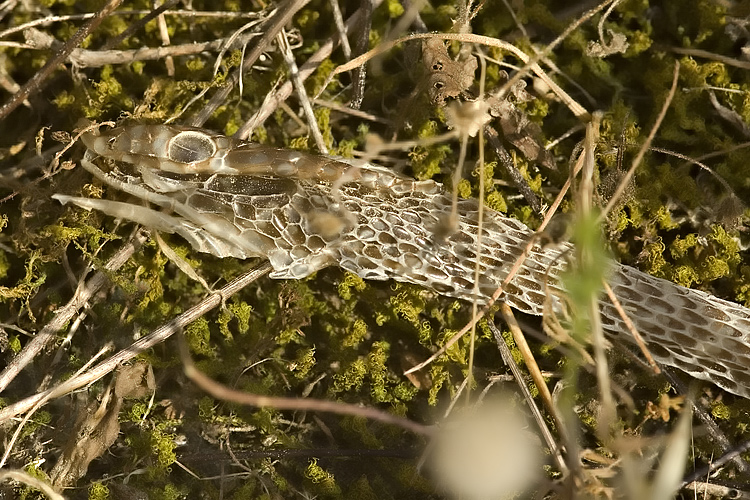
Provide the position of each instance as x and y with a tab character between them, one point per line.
305	212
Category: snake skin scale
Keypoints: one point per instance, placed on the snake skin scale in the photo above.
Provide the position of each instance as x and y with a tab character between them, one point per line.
305	212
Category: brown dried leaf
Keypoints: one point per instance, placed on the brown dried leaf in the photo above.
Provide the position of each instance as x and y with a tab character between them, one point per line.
134	381
446	78
96	426
95	429
521	132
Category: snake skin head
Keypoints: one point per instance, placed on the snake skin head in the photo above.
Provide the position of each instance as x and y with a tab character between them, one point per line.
227	197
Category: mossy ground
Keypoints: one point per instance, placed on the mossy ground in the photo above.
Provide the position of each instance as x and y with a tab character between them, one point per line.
333	335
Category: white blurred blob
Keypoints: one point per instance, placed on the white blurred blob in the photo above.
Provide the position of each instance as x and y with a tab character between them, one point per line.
468	117
487	453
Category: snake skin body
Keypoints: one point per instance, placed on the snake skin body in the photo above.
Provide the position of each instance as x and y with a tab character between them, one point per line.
305	212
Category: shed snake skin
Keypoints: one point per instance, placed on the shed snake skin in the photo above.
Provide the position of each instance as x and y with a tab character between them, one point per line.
305	212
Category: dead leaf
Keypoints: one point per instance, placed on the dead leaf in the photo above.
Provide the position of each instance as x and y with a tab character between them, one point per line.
517	129
446	78
96	426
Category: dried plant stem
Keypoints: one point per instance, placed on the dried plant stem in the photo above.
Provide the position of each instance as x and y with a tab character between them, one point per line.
37	81
273	98
507	162
520	381
283	15
729	61
225	393
157	336
83	294
631	328
294	76
528	358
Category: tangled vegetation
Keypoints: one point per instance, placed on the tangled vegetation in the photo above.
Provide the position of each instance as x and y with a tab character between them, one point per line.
144	430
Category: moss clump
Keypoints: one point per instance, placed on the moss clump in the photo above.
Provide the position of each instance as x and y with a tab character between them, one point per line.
98	491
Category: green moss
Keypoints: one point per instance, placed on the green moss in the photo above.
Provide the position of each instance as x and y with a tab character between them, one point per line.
206	409
307	17
323	117
14	344
26	492
721	411
136	412
395	9
657	265
303	363
349	285
64	100
247	490
408	303
378	371
351	378
163	449
242	312
685	275
39	420
198	336
168	492
98	491
496	201
323	481
34	278
464	188
355	333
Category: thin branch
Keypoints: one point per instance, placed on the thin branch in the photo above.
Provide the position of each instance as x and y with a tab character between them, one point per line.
85	58
312	123
631	328
520	380
37	82
507	162
283	15
275	97
729	61
157	336
48	334
225	393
